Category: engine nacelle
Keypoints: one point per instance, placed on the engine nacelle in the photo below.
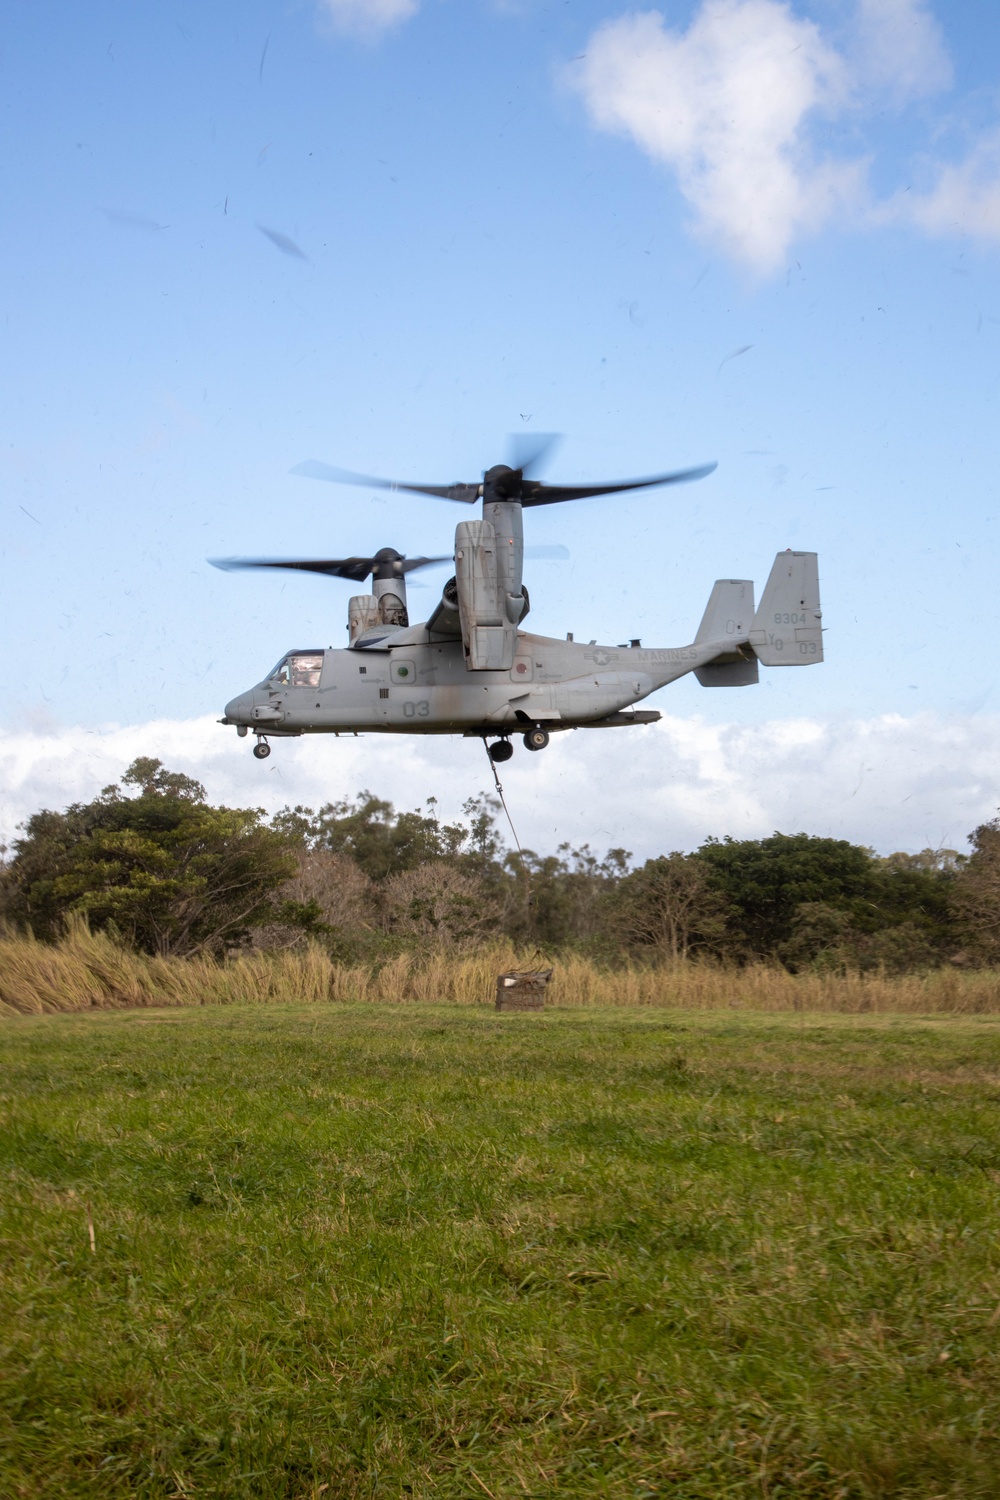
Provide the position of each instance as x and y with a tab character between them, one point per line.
488	634
362	614
446	620
386	606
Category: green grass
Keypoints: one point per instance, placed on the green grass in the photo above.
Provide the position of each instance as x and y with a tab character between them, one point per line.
349	1251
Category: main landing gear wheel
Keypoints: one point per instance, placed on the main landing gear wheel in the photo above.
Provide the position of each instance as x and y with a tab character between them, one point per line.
536	739
501	750
262	749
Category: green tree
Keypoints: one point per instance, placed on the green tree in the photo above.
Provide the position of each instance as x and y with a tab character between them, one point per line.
827	938
764	881
976	894
928	861
384	879
669	907
908	910
566	888
439	903
368	830
567	893
796	896
167	871
151	778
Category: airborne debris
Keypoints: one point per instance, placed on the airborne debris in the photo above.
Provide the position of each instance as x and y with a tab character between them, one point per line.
743	349
282	242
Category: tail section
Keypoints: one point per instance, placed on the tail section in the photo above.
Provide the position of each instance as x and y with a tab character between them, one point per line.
786	630
728	616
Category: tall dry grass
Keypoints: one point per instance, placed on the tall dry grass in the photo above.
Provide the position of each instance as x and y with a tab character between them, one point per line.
88	970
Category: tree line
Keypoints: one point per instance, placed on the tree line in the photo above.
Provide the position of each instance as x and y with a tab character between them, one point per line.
152	861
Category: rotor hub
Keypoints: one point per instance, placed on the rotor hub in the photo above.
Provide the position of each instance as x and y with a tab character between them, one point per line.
386	564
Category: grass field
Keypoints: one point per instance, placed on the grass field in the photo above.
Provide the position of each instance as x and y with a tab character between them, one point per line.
414	1251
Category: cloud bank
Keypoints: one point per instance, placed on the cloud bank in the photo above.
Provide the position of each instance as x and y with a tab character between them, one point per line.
738	107
890	782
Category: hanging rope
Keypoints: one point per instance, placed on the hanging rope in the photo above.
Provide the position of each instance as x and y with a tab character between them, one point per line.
520	853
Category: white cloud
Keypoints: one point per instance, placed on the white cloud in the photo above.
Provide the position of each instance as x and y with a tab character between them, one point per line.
964	198
892	782
737	104
367	18
899	47
726	104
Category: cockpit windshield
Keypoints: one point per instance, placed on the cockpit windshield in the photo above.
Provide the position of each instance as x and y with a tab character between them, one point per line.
299	669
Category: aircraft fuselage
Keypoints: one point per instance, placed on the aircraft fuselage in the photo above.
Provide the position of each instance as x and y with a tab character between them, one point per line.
398	683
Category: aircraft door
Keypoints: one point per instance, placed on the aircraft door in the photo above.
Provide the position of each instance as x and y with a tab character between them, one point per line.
373	688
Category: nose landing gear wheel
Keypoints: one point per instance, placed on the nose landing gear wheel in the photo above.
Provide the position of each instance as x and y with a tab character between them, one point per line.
262	749
501	750
536	739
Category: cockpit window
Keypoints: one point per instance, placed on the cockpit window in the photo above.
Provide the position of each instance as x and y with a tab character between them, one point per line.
305	670
299	669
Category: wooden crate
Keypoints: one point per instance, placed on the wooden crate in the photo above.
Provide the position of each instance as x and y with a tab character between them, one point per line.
522	991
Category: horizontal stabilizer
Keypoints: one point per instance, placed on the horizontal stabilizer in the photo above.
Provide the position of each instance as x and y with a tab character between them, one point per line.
787	630
728	617
729	671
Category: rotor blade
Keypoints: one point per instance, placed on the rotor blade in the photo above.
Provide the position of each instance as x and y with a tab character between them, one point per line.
529	450
535	493
468	494
546	553
409	564
357	569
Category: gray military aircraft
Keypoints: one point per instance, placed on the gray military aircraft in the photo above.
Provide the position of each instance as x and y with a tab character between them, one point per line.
471	670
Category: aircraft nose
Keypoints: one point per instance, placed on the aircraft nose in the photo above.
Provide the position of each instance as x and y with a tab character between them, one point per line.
238	710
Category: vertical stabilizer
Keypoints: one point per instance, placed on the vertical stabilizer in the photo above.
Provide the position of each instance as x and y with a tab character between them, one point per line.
787	630
728	616
729	611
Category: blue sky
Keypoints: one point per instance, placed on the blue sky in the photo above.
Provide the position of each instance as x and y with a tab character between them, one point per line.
741	230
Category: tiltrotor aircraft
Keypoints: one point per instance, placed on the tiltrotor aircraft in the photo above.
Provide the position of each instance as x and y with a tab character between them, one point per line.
471	670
